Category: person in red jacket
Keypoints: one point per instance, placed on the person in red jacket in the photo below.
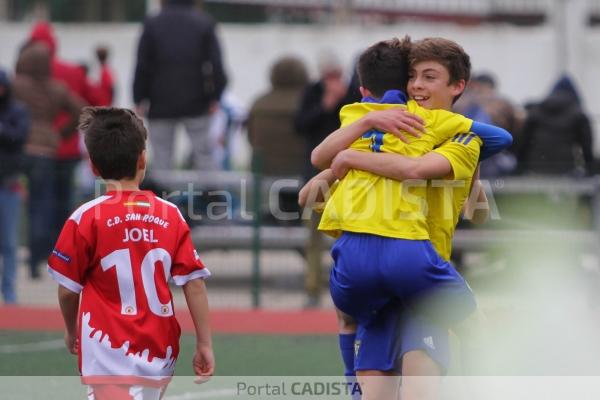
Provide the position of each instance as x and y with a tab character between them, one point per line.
68	154
46	99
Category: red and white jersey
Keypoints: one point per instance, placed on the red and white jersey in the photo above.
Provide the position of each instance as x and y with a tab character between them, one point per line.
120	251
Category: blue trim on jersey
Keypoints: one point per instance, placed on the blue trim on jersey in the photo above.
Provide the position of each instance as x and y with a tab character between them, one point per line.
369	134
376	139
469	138
389	97
495	139
377	142
392	96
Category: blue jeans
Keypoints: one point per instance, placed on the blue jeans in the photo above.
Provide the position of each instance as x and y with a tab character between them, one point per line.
41	174
65	195
10	204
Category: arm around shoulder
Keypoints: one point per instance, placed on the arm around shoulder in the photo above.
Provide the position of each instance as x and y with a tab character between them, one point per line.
396	121
322	155
495	139
394	166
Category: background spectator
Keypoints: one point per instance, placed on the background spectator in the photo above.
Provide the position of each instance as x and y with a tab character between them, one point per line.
557	135
271	130
318	113
68	154
227	126
180	77
482	102
46	99
270	122
106	83
14	128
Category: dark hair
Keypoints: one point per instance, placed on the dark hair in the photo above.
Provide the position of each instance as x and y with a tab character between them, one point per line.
384	66
448	53
102	54
115	138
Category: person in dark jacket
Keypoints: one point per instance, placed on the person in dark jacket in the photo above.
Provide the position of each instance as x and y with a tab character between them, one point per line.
179	77
14	128
271	130
318	113
270	120
557	135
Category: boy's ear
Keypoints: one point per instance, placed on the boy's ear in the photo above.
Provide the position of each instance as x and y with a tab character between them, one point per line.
364	92
458	87
94	169
141	162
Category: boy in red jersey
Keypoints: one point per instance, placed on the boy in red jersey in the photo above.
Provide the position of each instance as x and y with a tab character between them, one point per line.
118	253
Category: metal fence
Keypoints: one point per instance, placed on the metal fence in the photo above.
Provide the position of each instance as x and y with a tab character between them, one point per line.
384	11
529	208
531	11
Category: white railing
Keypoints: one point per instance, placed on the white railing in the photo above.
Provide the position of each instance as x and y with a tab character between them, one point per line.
477	7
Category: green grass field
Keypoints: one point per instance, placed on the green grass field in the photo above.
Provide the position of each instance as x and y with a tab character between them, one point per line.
236	355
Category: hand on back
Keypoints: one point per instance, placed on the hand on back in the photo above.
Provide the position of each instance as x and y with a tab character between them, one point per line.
398	122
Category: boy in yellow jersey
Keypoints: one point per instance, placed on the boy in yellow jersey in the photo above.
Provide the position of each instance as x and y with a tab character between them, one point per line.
446	92
367	203
453	164
387	216
423	347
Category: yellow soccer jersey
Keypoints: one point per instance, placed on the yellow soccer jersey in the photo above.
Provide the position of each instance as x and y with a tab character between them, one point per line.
368	203
446	197
319	206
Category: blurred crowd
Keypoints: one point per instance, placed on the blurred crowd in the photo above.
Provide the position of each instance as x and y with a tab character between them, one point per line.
552	136
180	82
40	147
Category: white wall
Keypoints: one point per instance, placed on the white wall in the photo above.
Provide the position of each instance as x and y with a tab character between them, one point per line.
523	59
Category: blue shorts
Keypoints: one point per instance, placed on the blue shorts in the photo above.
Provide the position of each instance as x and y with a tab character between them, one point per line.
382	343
371	271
